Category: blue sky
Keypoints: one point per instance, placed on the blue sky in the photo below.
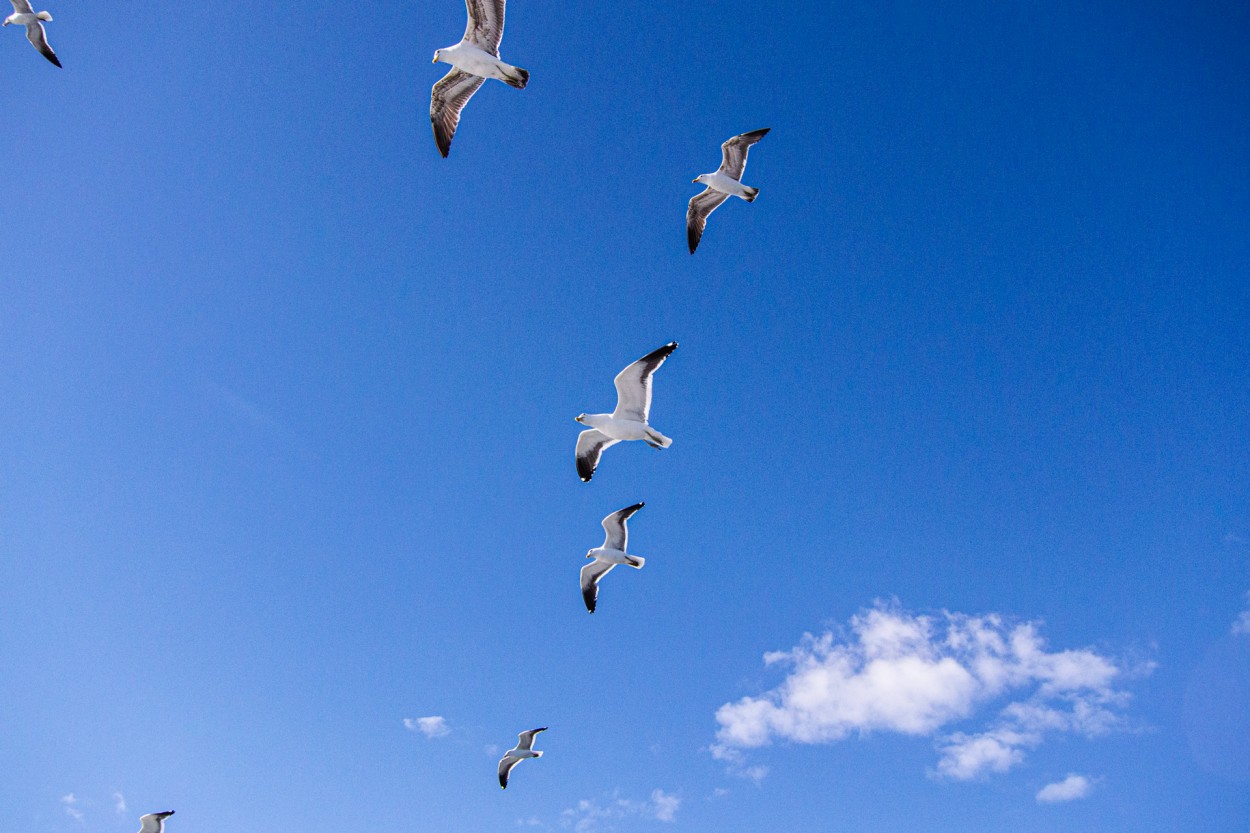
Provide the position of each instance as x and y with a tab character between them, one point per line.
959	416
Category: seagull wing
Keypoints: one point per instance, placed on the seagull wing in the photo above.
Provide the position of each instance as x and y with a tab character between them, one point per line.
525	740
633	384
701	205
154	822
39	38
734	152
485	29
591	574
447	99
22	6
590	446
617	532
506	763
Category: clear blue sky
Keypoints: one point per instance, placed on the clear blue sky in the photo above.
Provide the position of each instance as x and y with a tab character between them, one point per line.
286	420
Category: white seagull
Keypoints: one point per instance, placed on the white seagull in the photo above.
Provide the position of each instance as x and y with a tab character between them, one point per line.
610	554
726	182
24	15
524	749
473	60
629	420
154	822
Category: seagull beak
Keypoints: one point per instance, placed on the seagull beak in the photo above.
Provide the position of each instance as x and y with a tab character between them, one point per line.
435	61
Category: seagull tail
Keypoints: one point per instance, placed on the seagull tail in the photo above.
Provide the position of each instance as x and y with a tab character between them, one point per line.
752	193
517	77
657	440
635	561
44	16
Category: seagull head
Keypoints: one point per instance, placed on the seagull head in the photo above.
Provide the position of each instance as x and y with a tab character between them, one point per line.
437	52
580	418
590	553
698	179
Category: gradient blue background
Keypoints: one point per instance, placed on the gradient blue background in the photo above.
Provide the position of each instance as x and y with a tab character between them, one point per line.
286	401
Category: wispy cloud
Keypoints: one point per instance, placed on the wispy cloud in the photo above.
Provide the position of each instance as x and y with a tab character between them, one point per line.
599	815
1241	625
1069	789
70	803
434	726
895	671
119	802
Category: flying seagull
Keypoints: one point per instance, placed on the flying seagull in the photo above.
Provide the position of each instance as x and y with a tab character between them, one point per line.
524	749
610	554
722	184
154	822
629	420
24	15
473	60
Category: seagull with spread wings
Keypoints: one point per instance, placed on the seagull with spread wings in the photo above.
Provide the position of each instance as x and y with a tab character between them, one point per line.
629	420
154	822
610	554
24	15
722	184
524	749
473	60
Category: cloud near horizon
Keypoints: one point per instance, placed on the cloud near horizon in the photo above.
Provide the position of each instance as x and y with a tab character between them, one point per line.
895	671
434	726
592	815
1069	789
1241	625
69	801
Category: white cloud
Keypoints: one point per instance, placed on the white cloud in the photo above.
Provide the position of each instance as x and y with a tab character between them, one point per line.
70	803
433	726
1069	789
664	805
895	671
595	815
119	802
1241	625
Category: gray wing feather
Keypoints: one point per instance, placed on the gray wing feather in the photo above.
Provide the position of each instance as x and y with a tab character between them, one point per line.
591	574
485	29
447	99
633	384
615	526
701	205
734	152
525	740
590	446
506	763
39	39
22	6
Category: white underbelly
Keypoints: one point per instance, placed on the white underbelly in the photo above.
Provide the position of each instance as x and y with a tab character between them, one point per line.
475	61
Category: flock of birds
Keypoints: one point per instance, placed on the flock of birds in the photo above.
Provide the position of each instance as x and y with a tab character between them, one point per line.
473	60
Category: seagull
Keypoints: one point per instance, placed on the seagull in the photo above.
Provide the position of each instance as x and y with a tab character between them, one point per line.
629	420
473	60
610	554
524	749
24	15
154	822
722	184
